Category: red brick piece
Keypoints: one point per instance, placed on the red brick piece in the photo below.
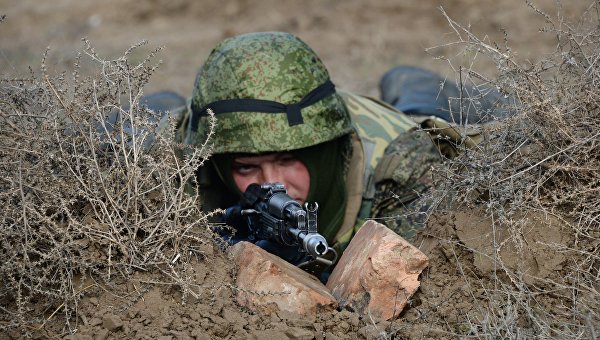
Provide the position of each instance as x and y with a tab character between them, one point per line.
378	272
269	284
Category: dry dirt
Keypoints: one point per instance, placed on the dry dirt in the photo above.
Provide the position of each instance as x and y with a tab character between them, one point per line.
358	40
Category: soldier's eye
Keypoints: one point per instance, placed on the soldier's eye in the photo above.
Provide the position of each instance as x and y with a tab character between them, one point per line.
243	169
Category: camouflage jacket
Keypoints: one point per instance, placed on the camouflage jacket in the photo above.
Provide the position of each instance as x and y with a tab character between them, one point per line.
388	170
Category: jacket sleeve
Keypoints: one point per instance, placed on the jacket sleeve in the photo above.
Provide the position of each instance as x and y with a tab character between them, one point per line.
402	176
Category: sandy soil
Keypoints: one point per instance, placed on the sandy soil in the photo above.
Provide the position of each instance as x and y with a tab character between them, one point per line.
359	41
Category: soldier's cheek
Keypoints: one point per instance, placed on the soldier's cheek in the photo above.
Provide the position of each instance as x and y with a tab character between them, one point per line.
243	181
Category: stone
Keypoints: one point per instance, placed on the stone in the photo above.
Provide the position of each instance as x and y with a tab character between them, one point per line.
377	273
267	334
95	321
269	284
200	334
234	317
112	322
372	332
298	333
102	334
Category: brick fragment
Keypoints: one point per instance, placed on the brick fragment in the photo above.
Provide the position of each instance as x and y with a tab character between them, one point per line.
268	284
378	272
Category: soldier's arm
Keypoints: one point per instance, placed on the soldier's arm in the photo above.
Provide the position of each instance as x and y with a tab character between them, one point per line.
402	176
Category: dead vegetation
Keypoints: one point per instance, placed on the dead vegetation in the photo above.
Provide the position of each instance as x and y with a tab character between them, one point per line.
537	171
88	193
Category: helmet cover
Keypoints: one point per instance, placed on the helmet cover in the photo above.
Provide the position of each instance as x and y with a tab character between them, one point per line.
270	66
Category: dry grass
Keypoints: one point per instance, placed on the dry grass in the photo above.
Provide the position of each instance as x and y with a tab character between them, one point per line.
85	200
542	161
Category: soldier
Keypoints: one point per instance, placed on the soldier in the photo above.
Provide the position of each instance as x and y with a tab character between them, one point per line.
281	119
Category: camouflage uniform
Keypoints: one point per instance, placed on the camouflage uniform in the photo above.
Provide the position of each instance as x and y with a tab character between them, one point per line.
387	162
397	156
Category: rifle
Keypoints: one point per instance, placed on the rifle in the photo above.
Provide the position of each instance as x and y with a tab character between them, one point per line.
271	214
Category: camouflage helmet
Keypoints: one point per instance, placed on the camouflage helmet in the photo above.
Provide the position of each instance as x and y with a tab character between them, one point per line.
270	92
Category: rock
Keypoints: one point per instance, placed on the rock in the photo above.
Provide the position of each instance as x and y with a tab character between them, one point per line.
95	321
200	334
372	332
295	320
112	322
318	328
66	337
299	333
267	334
332	336
378	272
269	284
234	317
102	334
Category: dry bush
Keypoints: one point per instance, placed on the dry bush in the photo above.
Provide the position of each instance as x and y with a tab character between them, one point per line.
542	161
85	198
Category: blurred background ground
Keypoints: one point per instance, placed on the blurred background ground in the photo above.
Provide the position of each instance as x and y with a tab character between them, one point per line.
357	40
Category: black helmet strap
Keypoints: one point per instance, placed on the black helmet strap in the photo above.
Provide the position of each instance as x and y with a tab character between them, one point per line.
293	111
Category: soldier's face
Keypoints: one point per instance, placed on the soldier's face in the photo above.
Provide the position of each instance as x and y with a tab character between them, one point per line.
276	167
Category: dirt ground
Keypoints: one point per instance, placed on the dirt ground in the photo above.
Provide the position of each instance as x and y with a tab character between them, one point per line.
358	41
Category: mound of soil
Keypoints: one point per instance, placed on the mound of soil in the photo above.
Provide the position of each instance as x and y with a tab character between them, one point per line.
459	286
469	275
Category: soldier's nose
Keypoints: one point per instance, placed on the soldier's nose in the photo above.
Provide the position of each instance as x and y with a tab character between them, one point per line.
271	174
